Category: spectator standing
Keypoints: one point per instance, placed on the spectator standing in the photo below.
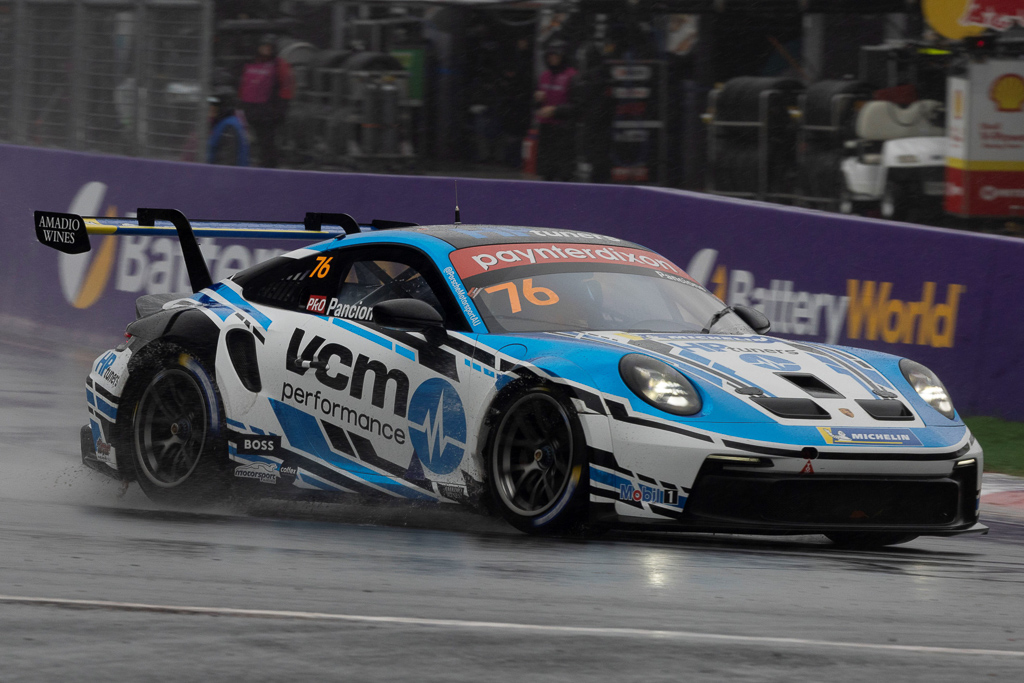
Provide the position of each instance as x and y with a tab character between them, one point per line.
228	144
266	90
556	115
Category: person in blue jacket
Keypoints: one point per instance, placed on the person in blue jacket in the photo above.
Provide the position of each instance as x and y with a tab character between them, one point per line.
228	144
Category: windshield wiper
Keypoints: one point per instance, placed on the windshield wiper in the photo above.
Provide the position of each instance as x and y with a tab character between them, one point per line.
715	318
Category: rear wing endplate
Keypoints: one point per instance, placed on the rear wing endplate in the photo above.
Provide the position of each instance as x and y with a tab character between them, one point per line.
69	233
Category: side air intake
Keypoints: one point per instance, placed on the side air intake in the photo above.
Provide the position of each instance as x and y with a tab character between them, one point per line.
242	351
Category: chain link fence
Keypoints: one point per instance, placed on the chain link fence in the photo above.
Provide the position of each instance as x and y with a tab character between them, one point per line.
110	76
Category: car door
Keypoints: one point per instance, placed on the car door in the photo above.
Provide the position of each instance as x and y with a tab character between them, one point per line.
359	407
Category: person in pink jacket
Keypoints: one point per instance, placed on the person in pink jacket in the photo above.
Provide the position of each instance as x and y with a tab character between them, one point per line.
266	89
556	115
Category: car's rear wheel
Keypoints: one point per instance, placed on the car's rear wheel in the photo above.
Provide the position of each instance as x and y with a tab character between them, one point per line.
864	540
537	463
176	441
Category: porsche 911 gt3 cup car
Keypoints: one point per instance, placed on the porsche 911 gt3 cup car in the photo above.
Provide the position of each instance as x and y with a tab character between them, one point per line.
560	378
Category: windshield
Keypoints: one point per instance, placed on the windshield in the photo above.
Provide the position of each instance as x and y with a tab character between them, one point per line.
586	288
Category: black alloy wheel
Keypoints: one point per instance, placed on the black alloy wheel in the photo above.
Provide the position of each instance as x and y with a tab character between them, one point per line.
170	428
176	441
537	464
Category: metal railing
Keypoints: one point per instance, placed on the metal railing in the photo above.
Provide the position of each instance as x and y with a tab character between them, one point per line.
111	76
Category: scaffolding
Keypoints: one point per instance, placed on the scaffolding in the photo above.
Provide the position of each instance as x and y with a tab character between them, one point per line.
109	76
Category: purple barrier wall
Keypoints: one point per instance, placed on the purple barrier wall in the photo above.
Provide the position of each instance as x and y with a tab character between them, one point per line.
945	298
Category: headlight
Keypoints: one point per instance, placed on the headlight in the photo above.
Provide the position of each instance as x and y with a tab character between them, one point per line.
927	386
659	384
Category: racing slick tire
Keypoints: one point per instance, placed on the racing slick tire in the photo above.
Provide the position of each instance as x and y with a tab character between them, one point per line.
864	540
175	434
537	464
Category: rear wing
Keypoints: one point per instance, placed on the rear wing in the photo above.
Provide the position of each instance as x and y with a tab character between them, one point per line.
69	233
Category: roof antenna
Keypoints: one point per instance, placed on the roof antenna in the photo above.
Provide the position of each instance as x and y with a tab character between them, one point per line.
458	220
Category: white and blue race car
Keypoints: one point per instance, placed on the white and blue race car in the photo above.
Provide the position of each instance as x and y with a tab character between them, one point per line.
563	379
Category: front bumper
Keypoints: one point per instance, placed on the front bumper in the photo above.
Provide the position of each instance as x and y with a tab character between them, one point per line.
754	500
913	492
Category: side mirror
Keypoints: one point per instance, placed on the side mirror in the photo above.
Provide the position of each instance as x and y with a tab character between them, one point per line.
410	315
754	318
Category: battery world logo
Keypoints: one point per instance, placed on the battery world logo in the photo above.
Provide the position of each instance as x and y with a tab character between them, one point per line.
869	310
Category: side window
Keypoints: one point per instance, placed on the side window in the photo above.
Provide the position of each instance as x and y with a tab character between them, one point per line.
372	281
305	284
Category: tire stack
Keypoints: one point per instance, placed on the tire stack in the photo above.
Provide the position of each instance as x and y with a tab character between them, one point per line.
829	119
737	162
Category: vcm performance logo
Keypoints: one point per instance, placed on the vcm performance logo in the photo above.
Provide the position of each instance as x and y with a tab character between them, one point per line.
437	426
868	310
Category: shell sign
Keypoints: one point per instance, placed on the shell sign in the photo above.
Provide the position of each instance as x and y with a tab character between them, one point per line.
985	157
1008	92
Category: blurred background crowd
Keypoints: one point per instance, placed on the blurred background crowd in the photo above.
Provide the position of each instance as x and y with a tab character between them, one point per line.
763	99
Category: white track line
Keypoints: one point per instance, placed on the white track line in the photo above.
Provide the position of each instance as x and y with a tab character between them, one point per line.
497	625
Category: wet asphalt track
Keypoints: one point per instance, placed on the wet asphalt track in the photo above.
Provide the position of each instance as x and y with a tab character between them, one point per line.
625	607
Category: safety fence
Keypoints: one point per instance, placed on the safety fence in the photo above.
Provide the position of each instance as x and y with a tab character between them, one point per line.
112	76
948	299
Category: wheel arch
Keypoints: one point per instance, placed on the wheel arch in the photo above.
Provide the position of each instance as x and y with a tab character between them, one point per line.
190	328
570	382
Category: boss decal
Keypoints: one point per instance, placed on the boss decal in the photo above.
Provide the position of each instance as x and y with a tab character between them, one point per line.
267	444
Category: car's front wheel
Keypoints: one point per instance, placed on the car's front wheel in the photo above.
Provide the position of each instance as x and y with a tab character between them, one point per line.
176	440
537	463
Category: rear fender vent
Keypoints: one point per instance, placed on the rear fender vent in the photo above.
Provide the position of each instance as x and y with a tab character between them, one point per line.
811	384
792	408
242	350
885	409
